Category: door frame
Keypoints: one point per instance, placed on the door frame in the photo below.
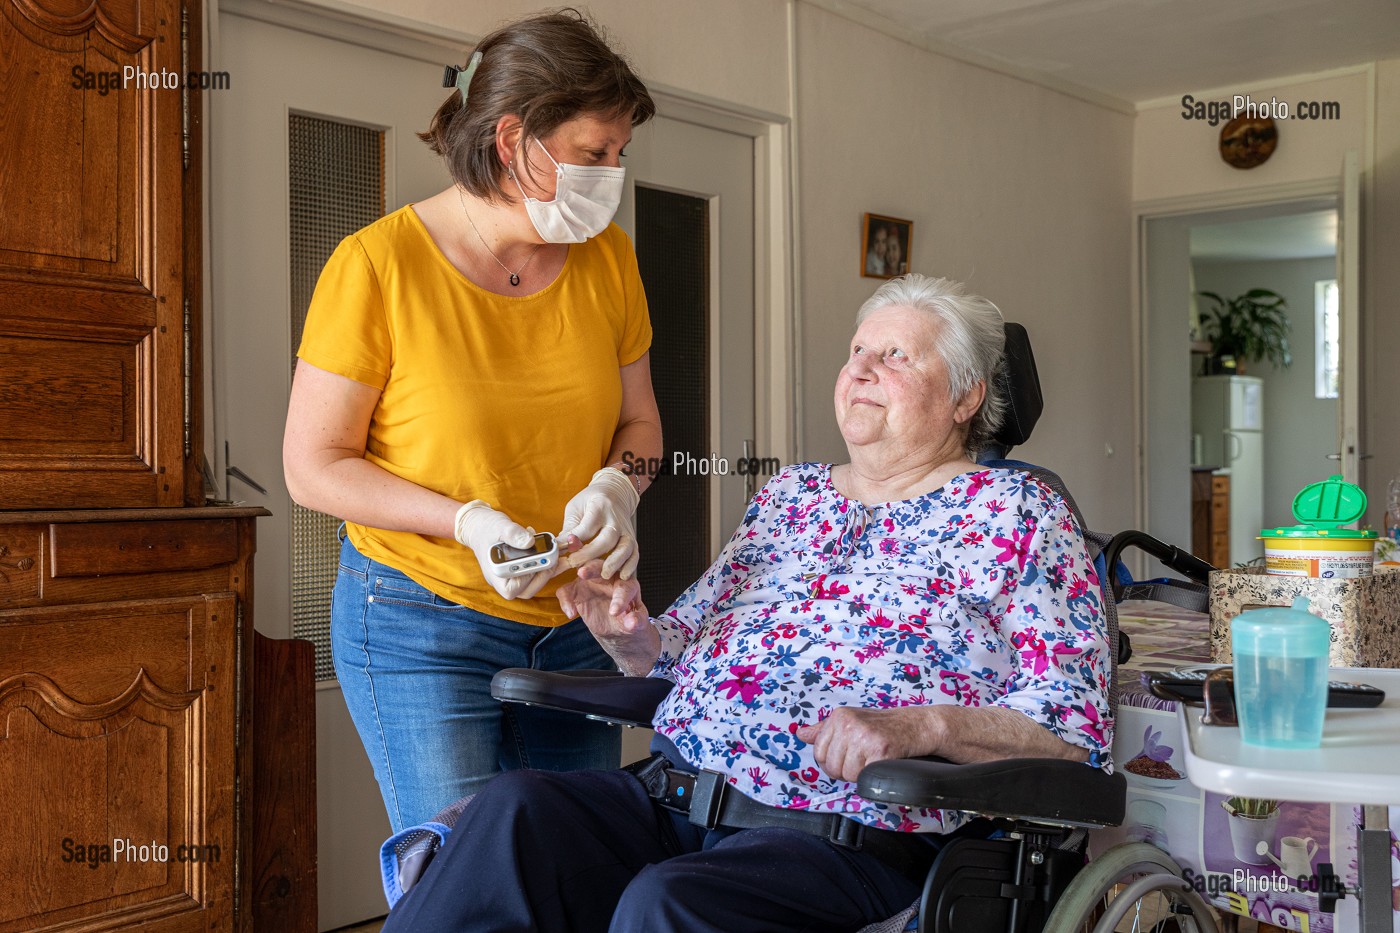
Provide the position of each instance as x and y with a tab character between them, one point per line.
1165	208
777	364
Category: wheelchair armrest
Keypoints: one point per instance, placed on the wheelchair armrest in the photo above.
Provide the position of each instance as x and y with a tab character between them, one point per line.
1036	789
604	695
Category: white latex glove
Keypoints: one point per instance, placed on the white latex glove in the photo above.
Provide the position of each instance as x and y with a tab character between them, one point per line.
602	516
480	527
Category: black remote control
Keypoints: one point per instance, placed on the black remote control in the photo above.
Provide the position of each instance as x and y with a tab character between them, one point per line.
1189	686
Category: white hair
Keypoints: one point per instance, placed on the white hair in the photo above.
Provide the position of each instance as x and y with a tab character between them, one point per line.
971	341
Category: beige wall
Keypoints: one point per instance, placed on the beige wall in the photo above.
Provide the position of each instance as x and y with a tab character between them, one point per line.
729	50
1175	158
1020	192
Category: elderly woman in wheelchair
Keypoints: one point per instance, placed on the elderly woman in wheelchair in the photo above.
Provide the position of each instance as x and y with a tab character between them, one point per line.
907	603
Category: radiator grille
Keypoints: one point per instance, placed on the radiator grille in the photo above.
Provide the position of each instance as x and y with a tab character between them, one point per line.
336	186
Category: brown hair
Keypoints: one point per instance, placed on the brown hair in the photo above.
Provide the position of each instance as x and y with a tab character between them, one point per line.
546	69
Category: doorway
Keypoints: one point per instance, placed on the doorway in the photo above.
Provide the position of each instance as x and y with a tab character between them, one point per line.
1297	425
375	104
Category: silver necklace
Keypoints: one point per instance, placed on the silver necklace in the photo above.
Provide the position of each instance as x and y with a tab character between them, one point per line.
514	276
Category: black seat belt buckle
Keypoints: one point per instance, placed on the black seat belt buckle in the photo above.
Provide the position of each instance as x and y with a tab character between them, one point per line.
679	791
710	791
848	834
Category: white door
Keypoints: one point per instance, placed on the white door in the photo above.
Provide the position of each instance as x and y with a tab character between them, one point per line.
282	77
718	167
1349	303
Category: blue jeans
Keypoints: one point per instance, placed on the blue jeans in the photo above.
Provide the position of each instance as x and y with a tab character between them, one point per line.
416	672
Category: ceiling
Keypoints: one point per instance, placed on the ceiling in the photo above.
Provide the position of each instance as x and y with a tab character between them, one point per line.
1135	51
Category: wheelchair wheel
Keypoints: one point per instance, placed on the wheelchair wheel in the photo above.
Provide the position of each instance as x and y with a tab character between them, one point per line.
1132	887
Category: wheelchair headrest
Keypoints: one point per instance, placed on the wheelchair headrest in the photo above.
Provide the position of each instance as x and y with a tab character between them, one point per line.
1020	383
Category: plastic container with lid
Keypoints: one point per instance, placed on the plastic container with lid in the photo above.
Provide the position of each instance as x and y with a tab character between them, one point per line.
1318	546
1280	659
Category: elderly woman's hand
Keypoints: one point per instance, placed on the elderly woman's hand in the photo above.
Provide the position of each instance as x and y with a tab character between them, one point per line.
851	738
614	613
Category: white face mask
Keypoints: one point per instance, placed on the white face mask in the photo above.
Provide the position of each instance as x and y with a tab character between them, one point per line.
585	199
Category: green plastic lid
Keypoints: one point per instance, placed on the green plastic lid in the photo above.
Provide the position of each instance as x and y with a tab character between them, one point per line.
1322	508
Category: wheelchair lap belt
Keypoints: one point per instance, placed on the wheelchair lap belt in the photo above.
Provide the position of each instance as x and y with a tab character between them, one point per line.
711	803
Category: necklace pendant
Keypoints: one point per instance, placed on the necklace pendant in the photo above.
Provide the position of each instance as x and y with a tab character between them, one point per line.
514	279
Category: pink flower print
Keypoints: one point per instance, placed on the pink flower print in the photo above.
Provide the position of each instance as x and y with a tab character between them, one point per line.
953	683
756	774
1078	587
824	529
1061	650
880	620
889	545
1015	547
821	591
744	684
1093	727
975	485
973	537
1033	651
965	578
996	506
873	650
889	526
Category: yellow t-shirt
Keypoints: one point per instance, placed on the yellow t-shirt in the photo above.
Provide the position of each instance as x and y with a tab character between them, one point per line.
511	400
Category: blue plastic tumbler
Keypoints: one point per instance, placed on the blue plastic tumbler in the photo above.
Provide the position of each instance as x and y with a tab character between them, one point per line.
1281	675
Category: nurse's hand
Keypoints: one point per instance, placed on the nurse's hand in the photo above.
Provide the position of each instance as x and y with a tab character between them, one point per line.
480	528
601	517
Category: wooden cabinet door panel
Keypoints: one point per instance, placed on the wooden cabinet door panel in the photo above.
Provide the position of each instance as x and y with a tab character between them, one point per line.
95	341
116	731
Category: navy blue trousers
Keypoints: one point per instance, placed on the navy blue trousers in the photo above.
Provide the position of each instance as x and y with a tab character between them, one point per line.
589	851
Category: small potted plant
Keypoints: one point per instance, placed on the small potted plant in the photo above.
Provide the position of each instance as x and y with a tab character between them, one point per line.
1251	327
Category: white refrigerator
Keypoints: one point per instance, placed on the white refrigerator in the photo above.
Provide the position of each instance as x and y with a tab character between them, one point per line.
1227	412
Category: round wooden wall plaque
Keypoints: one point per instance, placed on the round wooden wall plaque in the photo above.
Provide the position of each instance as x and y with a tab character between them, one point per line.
1246	142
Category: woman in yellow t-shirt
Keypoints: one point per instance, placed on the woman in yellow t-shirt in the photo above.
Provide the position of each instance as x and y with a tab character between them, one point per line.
473	368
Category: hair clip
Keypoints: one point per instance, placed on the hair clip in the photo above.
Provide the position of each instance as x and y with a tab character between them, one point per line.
461	78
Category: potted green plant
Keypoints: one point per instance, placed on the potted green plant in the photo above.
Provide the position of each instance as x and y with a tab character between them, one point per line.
1251	327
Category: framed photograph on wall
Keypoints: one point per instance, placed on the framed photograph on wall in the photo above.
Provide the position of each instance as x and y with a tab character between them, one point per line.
884	246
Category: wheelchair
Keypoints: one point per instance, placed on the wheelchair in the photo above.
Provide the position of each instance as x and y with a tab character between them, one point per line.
1030	877
1032	874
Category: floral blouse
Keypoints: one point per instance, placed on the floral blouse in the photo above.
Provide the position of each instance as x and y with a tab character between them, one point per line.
979	593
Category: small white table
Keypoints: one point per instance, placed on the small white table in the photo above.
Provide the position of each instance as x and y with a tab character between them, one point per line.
1359	762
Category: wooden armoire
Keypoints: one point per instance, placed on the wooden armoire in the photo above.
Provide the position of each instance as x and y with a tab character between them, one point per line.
156	755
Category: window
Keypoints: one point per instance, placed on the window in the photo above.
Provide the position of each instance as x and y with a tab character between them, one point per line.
1328	336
